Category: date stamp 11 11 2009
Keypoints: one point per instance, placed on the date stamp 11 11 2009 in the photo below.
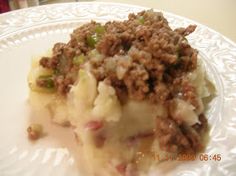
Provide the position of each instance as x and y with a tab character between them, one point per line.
187	157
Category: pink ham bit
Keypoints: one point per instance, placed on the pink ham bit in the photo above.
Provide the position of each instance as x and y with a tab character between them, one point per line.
121	168
94	125
98	137
127	169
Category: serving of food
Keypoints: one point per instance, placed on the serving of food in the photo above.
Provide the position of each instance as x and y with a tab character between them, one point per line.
132	90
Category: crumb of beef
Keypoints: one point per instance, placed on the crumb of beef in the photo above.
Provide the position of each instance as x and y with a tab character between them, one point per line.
69	52
45	62
181	88
189	94
186	31
161	93
81	34
177	138
170	136
136	82
109	45
63	83
58	48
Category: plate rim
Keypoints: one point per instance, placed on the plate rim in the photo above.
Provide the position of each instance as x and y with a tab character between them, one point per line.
111	3
221	37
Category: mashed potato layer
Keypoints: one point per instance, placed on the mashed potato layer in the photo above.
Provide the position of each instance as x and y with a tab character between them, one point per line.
131	90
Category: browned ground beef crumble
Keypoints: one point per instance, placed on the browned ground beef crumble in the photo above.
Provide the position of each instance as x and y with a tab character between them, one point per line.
160	60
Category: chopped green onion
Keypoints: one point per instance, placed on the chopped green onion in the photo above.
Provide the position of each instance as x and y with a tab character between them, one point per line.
50	83
141	20
77	60
92	40
56	71
99	29
45	81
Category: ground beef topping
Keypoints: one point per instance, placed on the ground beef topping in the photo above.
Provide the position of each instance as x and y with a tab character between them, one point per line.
156	56
180	138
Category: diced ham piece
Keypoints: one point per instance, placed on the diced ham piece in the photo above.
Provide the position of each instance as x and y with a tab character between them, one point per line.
121	168
94	125
127	169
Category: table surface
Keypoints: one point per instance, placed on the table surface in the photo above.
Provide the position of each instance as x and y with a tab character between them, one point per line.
219	15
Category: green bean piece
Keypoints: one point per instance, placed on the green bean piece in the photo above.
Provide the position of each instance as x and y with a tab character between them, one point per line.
78	60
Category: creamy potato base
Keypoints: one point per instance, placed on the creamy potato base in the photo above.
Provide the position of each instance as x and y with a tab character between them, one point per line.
126	128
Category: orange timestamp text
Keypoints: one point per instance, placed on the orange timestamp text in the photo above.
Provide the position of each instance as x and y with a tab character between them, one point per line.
188	157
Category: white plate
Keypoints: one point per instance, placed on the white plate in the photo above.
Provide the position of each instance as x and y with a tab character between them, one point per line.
30	32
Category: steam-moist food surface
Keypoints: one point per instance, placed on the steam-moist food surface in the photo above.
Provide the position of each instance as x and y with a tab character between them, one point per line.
127	88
